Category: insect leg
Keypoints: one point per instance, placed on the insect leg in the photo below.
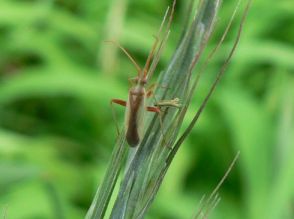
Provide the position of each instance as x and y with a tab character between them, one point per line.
152	87
153	109
157	110
150	90
127	54
119	102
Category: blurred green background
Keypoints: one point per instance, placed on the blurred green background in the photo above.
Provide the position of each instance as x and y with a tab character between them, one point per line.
56	129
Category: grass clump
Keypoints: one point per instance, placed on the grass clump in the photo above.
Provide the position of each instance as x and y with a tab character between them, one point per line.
148	163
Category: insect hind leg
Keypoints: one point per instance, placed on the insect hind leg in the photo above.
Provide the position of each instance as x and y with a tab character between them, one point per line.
157	110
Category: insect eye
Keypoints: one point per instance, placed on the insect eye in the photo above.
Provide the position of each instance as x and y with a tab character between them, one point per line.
143	82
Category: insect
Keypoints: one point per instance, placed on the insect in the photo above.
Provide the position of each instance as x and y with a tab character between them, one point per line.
136	102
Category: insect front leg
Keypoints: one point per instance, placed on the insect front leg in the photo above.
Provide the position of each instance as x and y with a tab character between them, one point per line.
152	87
119	102
150	90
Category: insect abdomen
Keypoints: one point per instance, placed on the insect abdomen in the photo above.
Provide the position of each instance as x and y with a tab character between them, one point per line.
135	117
132	134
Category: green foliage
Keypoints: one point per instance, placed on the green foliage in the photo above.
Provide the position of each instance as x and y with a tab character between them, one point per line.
56	128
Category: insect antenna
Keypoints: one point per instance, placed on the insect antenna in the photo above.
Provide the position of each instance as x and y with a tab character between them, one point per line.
150	56
127	54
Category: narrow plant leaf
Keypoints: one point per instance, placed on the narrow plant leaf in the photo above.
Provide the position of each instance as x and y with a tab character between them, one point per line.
102	198
207	205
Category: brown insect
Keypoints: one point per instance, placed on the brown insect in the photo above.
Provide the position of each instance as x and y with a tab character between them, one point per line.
136	102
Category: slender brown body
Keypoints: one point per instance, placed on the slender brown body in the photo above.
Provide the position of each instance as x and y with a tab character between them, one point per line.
135	110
